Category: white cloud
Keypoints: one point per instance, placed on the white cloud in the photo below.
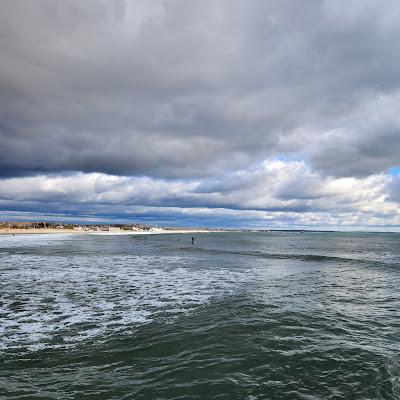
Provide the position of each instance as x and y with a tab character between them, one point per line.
170	107
275	192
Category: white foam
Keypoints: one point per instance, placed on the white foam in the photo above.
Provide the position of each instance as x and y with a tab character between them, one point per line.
81	297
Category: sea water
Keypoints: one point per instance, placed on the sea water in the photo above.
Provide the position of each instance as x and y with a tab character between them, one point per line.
233	316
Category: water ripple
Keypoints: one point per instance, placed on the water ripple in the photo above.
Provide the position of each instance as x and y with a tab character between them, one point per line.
235	317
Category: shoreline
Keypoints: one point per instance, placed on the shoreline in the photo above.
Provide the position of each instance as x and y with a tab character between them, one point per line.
41	231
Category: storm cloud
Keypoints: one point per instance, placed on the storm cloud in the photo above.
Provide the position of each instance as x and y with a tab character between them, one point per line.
187	104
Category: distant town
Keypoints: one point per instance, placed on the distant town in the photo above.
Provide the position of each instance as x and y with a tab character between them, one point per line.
79	227
60	226
29	227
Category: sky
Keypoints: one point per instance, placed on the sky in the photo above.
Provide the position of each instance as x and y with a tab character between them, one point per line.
269	114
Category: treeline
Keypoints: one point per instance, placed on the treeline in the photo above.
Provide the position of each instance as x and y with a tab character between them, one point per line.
60	225
35	225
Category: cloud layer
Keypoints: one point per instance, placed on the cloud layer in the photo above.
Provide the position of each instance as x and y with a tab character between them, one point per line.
272	194
190	105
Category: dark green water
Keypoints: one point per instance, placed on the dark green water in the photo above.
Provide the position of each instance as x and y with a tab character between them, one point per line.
235	316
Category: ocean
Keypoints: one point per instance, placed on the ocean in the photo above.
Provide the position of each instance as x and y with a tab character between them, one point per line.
234	316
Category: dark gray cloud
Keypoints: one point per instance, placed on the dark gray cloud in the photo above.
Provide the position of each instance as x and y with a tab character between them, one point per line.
189	89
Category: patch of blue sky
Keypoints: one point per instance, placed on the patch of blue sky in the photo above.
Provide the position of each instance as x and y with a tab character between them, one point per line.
394	171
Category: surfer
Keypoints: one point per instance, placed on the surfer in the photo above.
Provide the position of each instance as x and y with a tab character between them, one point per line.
193	240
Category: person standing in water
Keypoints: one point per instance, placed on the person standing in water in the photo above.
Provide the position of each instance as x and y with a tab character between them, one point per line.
192	240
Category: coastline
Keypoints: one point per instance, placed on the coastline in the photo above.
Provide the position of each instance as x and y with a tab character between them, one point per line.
41	231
